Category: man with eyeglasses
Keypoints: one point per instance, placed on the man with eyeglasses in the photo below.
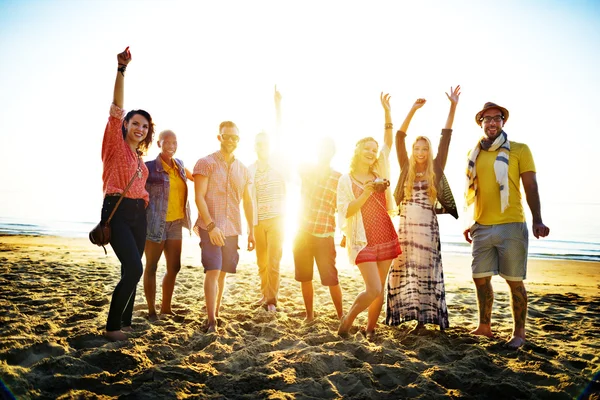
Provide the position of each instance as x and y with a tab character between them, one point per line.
497	230
221	184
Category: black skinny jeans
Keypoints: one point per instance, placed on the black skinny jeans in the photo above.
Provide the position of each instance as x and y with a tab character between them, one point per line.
128	237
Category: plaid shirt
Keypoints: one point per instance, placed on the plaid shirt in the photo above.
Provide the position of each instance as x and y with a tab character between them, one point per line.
319	200
224	194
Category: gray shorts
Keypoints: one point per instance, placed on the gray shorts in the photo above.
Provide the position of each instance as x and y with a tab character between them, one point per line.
500	249
173	230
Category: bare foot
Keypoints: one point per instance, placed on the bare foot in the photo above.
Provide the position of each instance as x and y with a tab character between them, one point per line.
271	307
261	301
344	329
152	317
212	327
370	335
115	336
309	318
170	313
419	329
483	330
127	329
515	342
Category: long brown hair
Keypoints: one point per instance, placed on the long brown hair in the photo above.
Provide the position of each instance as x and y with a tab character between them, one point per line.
429	173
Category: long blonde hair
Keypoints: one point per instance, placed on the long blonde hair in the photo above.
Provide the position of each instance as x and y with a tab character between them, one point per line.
358	149
429	173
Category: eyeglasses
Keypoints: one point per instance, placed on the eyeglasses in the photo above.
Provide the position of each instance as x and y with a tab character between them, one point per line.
496	118
230	137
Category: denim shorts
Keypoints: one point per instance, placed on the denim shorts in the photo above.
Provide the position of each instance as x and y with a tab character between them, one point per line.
500	250
173	230
219	258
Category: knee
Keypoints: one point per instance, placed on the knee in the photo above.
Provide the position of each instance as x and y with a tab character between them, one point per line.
515	284
150	269
134	272
174	269
482	281
374	291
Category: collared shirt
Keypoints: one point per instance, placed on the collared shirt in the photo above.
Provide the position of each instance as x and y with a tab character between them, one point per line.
119	162
177	188
226	183
319	198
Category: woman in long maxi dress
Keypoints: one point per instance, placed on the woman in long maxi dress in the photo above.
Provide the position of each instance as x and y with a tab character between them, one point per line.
416	280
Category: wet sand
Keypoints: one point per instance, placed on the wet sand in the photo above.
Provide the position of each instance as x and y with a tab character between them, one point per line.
55	293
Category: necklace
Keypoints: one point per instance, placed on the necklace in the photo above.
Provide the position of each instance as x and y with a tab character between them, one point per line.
357	180
419	174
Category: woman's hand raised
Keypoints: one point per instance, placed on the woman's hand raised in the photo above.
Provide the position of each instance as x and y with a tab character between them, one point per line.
419	103
124	57
454	94
385	101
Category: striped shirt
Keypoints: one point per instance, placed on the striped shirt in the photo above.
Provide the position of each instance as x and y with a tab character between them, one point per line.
319	198
226	183
270	193
119	162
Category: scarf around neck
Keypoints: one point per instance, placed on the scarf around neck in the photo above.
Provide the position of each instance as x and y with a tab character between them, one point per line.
502	145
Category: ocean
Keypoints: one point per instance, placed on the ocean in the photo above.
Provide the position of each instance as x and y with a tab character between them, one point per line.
574	235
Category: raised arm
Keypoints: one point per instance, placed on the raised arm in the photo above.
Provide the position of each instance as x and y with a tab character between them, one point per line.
442	153
277	99
418	104
123	59
453	97
388	138
401	134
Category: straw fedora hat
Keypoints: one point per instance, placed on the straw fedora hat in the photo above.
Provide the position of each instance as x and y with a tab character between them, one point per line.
487	106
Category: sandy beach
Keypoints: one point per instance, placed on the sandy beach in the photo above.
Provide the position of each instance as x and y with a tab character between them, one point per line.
55	293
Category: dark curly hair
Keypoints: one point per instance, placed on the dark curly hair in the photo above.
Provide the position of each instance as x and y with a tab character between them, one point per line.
144	144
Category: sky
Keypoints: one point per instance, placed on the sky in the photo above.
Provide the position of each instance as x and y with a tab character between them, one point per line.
195	64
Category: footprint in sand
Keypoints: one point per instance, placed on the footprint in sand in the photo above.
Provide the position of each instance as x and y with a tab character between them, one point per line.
86	341
28	356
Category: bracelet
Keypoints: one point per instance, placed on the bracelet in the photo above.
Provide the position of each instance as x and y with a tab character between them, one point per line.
389	125
122	68
210	226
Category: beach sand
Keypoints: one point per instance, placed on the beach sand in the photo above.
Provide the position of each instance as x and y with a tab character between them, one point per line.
55	293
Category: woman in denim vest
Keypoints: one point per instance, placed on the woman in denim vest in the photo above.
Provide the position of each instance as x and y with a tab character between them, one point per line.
168	212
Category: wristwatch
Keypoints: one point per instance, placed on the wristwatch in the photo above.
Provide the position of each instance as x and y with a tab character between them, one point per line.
210	226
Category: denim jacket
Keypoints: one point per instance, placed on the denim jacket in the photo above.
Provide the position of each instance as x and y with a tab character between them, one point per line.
157	186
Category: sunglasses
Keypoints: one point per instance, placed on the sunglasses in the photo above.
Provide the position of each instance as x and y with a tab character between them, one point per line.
230	137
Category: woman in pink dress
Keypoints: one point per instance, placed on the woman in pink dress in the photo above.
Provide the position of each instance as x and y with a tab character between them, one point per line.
365	203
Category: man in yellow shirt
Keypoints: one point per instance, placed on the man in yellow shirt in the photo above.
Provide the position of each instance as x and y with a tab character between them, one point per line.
499	233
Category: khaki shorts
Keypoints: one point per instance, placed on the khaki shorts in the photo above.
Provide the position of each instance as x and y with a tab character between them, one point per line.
500	250
309	249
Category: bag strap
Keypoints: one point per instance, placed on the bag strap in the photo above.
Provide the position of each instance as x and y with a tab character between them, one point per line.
138	173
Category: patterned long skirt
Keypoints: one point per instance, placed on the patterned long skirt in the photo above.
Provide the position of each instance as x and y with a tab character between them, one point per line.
416	280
